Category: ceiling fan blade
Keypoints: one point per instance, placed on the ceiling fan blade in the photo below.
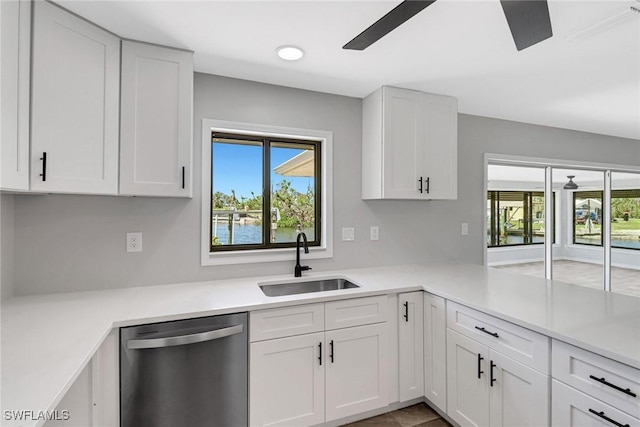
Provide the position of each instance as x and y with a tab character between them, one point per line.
528	20
389	22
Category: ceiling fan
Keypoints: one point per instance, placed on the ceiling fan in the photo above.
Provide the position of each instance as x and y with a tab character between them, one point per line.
528	21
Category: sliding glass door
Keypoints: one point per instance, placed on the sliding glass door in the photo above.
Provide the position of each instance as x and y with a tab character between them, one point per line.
625	233
578	224
579	258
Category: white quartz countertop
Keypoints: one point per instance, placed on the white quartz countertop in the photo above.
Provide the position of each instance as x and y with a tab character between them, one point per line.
48	340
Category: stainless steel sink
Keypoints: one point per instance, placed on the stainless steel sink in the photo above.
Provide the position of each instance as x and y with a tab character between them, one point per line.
303	287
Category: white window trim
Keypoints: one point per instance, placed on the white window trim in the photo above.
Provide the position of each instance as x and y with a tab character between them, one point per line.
266	255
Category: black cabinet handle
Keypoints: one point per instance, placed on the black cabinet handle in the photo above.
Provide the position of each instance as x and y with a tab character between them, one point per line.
480	359
493	334
320	352
44	166
604	417
420	181
406	311
605	382
183	177
331	350
491	366
427	185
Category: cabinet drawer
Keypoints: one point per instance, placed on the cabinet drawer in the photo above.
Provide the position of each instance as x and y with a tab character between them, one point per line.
287	321
605	379
521	344
572	408
355	312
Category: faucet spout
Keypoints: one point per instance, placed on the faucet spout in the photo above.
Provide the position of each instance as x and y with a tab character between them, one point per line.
300	268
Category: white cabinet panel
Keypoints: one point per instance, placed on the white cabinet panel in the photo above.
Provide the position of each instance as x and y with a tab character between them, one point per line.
287	321
403	151
156	120
605	379
411	345
572	408
441	151
487	388
409	145
15	27
523	345
519	395
356	370
286	381
467	385
435	350
355	312
75	104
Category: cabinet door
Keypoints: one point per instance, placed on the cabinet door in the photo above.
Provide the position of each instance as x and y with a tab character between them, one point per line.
435	351
441	147
572	408
15	37
519	396
75	104
403	144
467	384
411	345
286	381
356	370
156	121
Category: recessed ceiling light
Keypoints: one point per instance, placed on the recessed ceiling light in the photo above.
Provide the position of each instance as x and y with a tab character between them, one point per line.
290	53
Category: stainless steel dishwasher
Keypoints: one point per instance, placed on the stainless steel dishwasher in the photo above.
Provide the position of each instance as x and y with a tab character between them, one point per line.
185	373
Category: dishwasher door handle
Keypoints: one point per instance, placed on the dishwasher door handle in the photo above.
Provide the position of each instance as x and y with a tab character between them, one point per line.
184	339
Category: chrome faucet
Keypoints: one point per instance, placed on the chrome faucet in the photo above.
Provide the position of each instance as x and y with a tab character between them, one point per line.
300	268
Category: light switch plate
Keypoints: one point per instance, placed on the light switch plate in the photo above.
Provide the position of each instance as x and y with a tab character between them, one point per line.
348	234
464	229
374	232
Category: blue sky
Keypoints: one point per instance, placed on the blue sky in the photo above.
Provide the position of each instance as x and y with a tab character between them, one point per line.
239	167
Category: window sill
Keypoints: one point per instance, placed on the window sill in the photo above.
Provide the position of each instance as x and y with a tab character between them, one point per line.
262	255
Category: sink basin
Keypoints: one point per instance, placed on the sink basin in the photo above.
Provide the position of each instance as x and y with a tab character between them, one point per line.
303	287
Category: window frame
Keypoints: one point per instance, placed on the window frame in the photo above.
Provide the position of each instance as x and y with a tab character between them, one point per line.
600	194
266	143
259	255
530	193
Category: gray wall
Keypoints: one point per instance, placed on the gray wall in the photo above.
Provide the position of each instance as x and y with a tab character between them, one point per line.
6	246
68	243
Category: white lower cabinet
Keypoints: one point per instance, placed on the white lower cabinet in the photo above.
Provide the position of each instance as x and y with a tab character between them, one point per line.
435	350
287	379
356	370
486	388
94	398
572	408
410	345
312	378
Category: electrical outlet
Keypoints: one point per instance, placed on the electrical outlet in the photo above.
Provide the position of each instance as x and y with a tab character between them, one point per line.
374	233
348	234
134	242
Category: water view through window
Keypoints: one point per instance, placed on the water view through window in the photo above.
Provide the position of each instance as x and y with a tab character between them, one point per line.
244	214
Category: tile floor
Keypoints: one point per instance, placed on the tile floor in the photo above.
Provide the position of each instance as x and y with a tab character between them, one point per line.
623	280
419	415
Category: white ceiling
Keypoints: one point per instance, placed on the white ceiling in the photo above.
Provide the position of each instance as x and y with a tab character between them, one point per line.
454	47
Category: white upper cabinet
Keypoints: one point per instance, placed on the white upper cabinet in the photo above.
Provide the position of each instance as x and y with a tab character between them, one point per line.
15	36
409	145
75	104
156	121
